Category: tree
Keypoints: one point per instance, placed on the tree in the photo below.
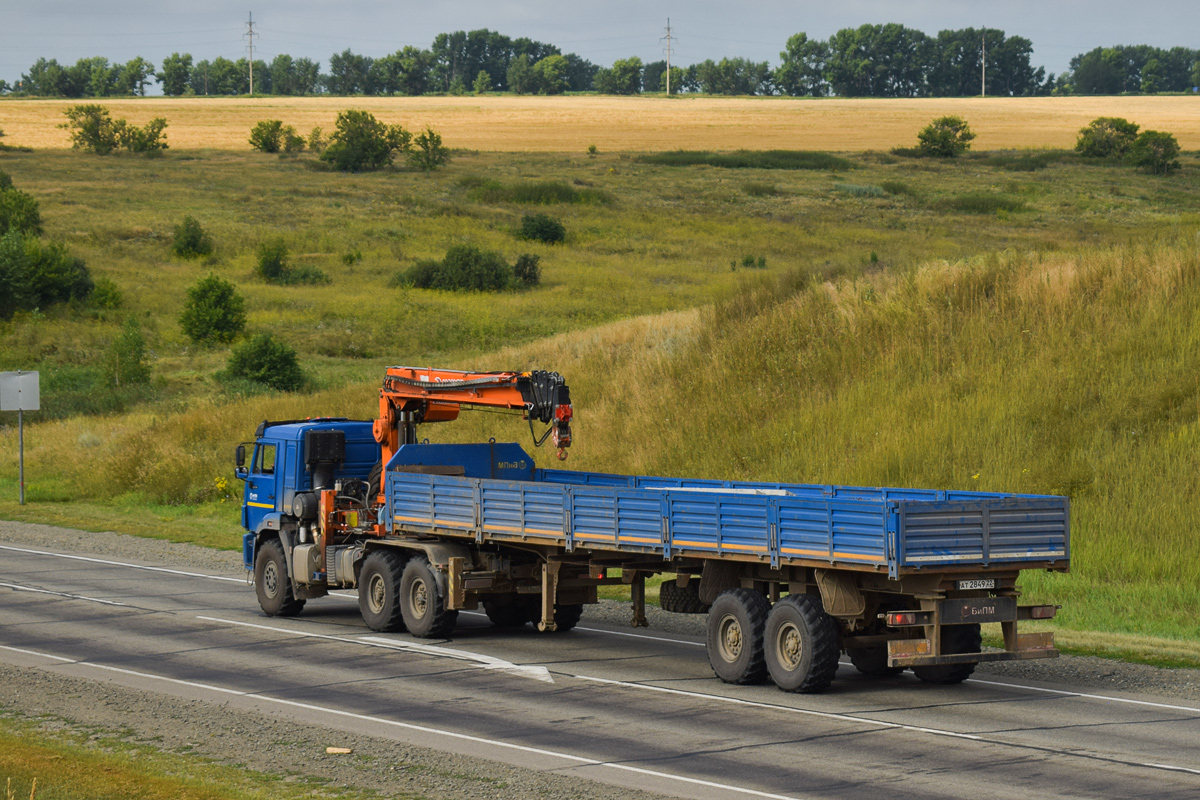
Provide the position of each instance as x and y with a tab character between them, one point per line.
214	312
175	74
19	212
1152	77
483	83
283	75
551	74
125	360
581	73
92	129
308	76
676	84
363	143
191	240
624	77
801	69
878	61
268	135
1106	137
521	77
945	137
349	74
1155	151
134	75
268	361
427	152
34	275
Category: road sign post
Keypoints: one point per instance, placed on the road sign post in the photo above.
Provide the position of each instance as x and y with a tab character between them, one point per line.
20	392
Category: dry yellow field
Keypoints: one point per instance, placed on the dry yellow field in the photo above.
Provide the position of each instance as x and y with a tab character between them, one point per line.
570	124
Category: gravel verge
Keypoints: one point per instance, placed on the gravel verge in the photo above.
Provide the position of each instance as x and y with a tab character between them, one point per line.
268	745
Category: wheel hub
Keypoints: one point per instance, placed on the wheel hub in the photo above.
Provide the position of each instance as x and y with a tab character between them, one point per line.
376	592
271	579
419	597
729	638
790	645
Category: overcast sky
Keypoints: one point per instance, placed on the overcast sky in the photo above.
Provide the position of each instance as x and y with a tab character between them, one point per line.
601	30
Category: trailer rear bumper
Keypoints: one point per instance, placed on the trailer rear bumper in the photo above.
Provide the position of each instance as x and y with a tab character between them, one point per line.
919	652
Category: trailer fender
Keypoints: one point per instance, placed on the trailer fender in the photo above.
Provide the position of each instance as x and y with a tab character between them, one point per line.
840	594
716	577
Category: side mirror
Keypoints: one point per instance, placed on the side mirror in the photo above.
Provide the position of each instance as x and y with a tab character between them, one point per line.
239	457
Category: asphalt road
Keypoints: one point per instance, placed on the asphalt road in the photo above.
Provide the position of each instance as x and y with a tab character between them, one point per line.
628	708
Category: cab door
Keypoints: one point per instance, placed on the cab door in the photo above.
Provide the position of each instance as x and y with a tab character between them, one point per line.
262	484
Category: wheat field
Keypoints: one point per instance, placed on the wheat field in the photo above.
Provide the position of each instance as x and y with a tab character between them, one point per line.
505	123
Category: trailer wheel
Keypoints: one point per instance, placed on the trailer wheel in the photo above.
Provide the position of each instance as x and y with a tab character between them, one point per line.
955	639
422	602
801	644
567	617
681	600
735	636
872	661
379	591
506	610
271	582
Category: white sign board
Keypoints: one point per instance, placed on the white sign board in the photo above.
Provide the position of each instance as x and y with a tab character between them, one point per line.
19	391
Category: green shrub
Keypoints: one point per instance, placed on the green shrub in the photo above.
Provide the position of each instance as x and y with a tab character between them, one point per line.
352	256
362	143
106	295
945	137
147	141
465	268
756	189
125	360
35	275
750	159
316	142
92	129
528	269
265	360
859	191
214	312
19	212
1022	162
541	228
897	187
536	193
5	179
268	135
1106	137
191	240
1154	151
273	266
750	262
428	152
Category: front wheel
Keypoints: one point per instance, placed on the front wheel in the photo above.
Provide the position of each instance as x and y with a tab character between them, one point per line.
422	603
735	636
271	581
379	591
801	644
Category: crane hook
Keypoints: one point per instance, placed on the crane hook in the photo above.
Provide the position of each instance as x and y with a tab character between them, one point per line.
562	454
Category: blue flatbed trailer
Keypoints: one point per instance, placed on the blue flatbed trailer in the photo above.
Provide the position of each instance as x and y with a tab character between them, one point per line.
789	574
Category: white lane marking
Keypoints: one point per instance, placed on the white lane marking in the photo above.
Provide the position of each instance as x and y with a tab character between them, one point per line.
571	757
21	588
1174	768
537	673
1107	697
774	707
121	564
343	596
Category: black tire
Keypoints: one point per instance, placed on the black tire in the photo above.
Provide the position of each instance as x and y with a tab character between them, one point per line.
422	602
681	599
955	639
736	623
506	610
379	591
374	482
872	661
801	644
567	617
272	583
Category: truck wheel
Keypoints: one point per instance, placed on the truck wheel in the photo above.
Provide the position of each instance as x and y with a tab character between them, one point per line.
872	661
422	602
379	591
567	616
681	600
735	636
271	582
801	644
506	610
374	482
955	639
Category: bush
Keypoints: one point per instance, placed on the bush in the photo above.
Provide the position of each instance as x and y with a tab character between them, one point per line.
541	228
125	360
1106	137
214	312
1154	151
537	193
428	152
465	268
106	295
945	137
268	361
897	188
750	159
528	269
274	267
981	203
5	178
759	189
859	191
267	135
316	142
92	129
362	143
191	240
19	212
34	275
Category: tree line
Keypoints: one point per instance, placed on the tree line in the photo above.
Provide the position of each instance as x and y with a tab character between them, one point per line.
869	61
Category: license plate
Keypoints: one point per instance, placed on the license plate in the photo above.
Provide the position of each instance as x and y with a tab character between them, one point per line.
985	583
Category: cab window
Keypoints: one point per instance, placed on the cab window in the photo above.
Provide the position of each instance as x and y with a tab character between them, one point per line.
264	459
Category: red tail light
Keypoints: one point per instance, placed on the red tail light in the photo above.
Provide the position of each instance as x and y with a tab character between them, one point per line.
900	619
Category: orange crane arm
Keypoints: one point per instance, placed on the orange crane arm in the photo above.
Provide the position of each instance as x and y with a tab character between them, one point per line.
412	395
